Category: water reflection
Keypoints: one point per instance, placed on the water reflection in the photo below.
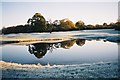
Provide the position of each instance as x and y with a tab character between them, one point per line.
40	49
80	42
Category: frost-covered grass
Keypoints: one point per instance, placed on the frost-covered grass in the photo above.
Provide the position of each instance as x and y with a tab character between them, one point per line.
93	70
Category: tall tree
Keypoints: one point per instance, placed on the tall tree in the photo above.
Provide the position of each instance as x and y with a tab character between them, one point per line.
66	24
37	22
80	24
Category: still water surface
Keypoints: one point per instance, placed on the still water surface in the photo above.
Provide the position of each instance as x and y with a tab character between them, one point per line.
67	52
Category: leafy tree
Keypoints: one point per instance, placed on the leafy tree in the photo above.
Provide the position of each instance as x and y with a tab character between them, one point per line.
49	25
56	22
56	25
37	22
80	24
111	24
104	24
117	26
66	24
89	26
97	26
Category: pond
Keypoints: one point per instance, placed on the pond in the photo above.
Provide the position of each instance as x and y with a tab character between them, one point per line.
85	54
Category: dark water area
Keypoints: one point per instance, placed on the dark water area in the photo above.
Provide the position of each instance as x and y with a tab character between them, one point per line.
87	54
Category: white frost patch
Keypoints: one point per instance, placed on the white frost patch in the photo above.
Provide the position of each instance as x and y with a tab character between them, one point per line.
10	65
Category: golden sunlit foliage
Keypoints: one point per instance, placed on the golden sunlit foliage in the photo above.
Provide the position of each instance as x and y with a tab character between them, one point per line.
66	24
80	24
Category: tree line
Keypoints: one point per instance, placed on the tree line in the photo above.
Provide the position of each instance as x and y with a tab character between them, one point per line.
39	24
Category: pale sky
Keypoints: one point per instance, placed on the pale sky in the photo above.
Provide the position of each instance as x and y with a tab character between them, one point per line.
16	13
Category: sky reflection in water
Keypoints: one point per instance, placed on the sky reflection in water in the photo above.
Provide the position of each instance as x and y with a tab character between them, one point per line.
67	52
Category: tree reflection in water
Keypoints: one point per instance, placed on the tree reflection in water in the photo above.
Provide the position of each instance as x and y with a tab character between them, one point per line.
67	44
80	42
40	49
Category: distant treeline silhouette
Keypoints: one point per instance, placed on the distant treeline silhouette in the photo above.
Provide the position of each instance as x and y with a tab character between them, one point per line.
38	24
